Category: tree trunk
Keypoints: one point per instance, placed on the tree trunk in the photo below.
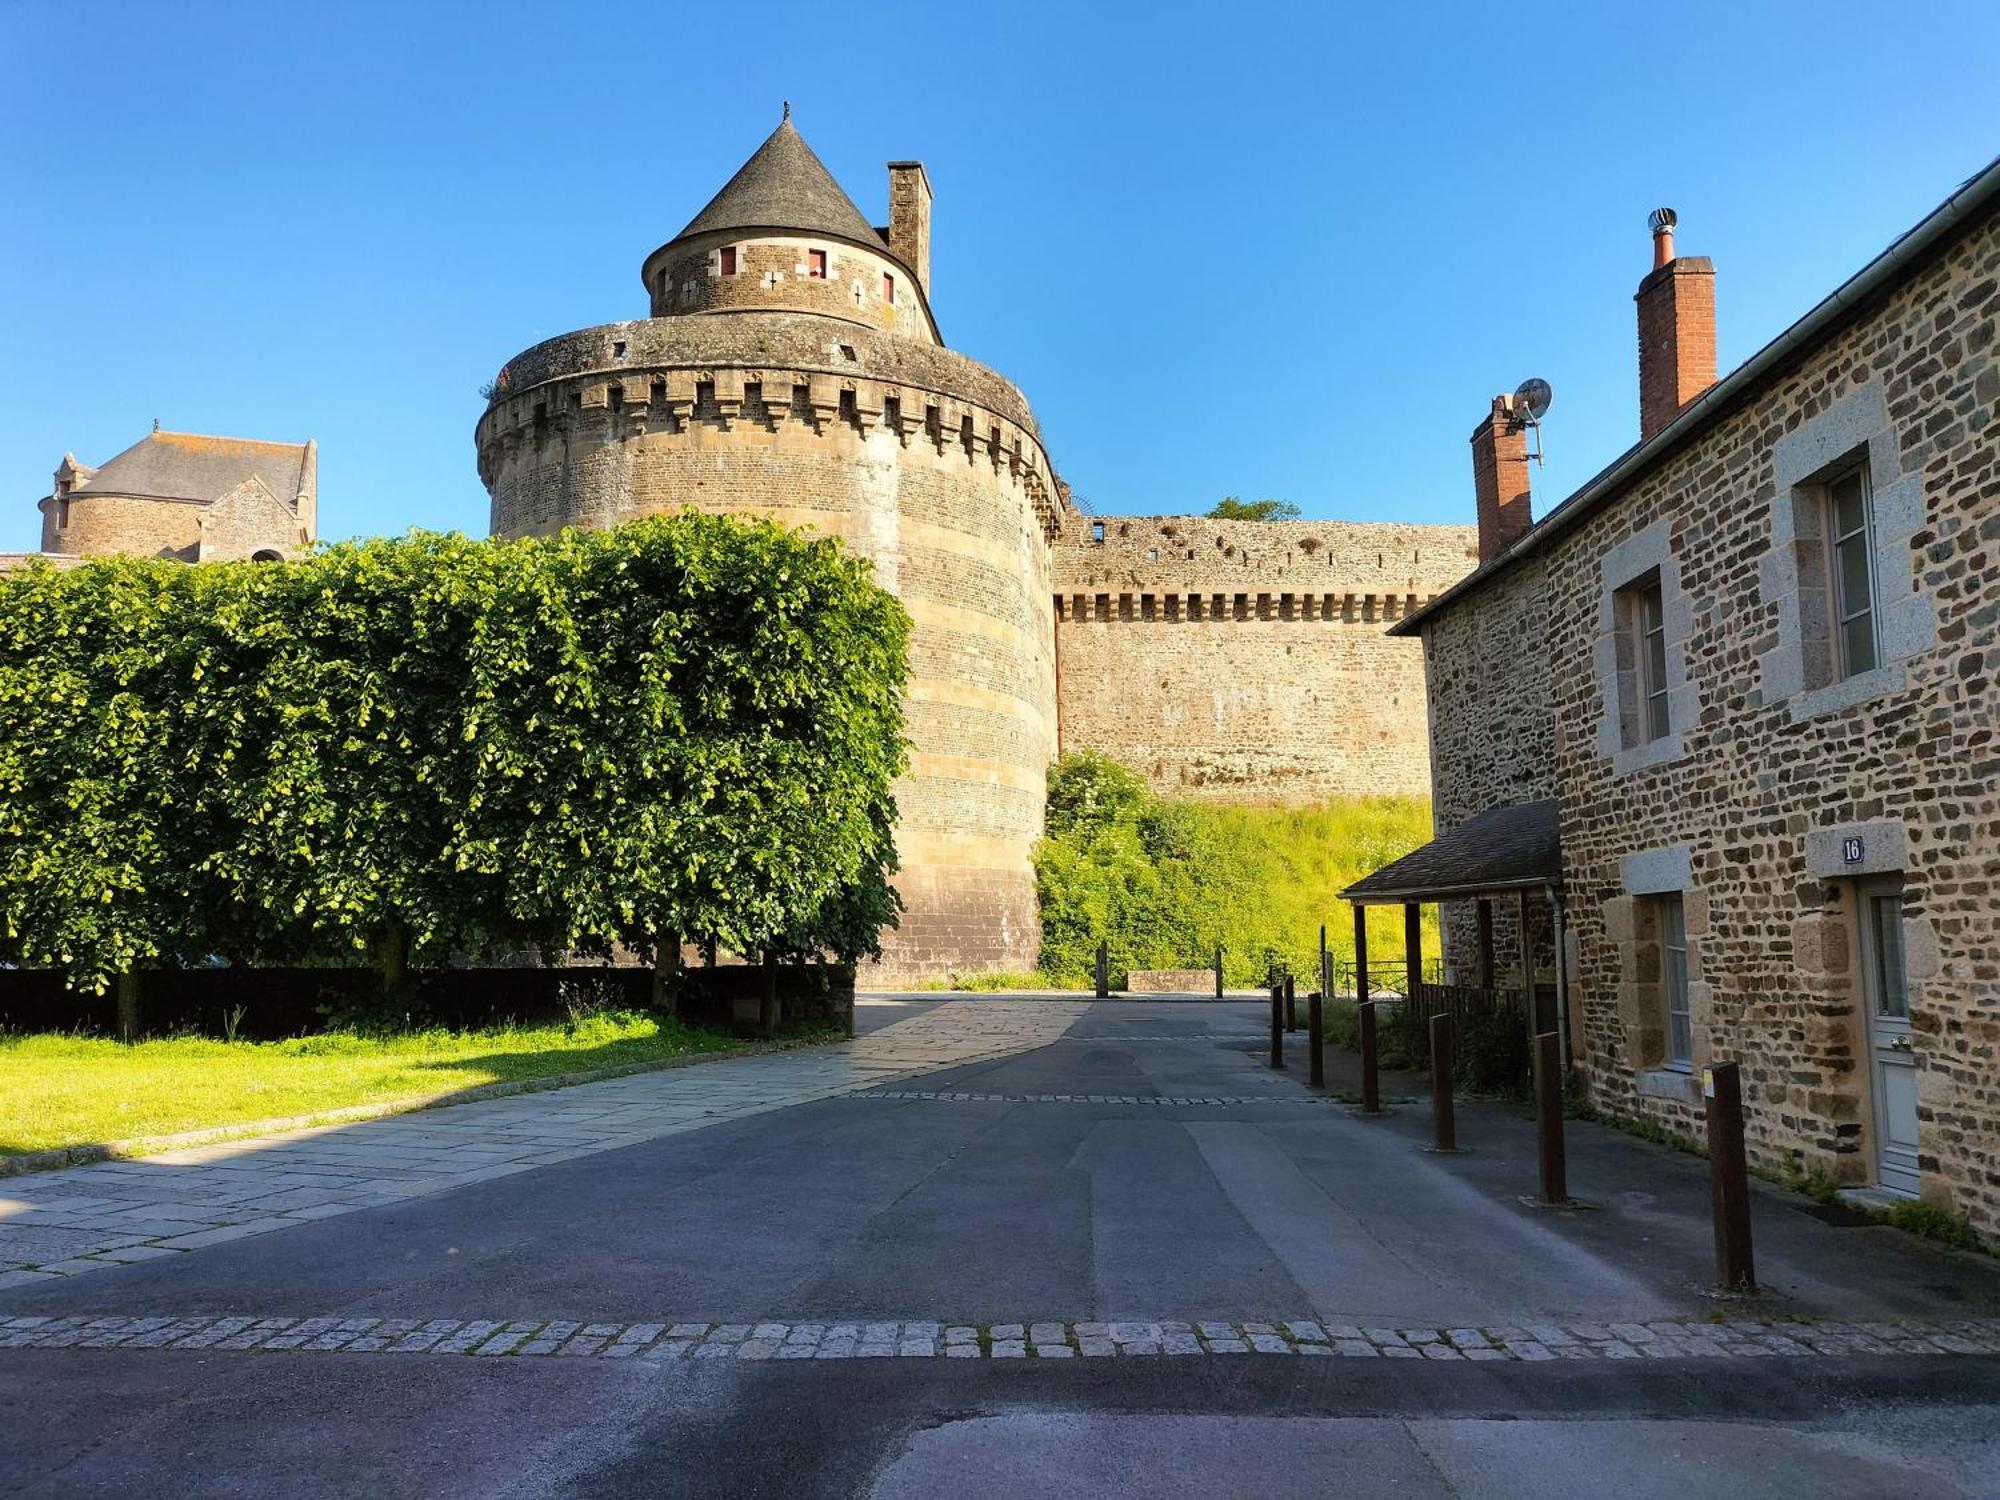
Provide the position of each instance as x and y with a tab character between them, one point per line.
394	957
128	1005
667	974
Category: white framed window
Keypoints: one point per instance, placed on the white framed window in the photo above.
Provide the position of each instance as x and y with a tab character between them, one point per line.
1670	919
1643	704
1649	625
1850	550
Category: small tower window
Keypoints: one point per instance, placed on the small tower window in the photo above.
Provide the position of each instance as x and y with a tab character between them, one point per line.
888	287
62	515
728	260
1097	531
816	264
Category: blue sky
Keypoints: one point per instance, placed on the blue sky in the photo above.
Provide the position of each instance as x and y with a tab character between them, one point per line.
1263	251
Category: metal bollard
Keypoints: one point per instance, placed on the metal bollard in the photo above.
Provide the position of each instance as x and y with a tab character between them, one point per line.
1444	1118
1103	970
1549	1118
1218	971
1277	1025
1729	1174
1316	1039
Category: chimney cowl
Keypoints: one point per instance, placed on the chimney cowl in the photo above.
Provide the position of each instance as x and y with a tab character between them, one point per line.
1661	222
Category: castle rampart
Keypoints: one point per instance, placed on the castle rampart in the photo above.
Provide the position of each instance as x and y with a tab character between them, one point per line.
1246	660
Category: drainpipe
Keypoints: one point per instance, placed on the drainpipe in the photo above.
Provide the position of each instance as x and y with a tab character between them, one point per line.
1562	972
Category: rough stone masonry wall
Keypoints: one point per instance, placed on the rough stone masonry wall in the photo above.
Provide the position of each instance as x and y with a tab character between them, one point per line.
1492	735
952	500
1247	660
1771	772
123	525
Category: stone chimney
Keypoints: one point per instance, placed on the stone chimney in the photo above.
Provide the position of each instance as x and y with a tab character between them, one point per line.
910	218
1500	478
1676	328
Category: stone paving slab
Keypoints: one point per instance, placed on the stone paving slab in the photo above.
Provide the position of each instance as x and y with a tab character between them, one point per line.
1038	1339
82	1219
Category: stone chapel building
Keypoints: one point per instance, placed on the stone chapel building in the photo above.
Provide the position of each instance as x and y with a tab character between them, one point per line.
186	496
1749	677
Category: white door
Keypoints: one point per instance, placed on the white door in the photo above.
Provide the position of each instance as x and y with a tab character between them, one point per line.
1892	1069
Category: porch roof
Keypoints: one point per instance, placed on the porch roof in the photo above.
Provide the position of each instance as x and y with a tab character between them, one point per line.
1502	849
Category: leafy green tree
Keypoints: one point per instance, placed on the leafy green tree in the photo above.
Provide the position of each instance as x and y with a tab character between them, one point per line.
1229	508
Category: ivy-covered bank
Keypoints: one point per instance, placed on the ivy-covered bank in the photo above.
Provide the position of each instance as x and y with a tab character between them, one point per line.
431	748
1163	880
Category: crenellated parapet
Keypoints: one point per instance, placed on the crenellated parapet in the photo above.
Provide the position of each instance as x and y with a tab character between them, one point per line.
637	381
1200	608
1202	554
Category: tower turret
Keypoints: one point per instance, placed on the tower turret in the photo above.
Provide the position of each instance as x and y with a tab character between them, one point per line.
782	236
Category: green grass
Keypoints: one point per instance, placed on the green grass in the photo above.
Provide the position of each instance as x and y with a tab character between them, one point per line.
60	1090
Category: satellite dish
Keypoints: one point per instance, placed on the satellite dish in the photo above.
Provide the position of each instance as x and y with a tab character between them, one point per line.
1532	397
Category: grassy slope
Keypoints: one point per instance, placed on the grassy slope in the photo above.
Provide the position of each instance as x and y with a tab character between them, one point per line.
71	1090
1163	879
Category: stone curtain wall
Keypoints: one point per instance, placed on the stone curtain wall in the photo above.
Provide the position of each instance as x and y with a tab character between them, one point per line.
1772	773
1247	660
941	480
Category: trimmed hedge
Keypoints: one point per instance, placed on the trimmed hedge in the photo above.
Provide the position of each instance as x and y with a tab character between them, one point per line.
430	749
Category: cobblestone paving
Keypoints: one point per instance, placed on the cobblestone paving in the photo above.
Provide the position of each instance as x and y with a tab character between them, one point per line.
1054	1339
83	1219
1307	1101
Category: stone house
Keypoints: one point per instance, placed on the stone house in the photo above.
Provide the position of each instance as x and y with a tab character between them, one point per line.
1753	662
186	496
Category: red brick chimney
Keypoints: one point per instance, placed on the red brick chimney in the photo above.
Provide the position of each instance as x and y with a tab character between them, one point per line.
1676	329
1500	478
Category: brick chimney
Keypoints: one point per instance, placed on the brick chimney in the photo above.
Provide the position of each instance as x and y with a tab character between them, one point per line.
910	218
1500	478
1676	329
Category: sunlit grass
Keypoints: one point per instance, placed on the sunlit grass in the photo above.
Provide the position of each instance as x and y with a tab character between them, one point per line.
59	1090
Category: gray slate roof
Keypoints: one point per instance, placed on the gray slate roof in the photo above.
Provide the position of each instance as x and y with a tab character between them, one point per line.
1503	849
191	466
784	186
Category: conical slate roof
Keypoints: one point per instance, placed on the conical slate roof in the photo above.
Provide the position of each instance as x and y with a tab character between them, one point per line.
784	186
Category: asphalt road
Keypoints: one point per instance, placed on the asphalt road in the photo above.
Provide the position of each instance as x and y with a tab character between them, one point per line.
1006	1207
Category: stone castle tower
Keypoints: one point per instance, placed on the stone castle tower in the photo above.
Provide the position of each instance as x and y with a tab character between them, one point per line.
791	368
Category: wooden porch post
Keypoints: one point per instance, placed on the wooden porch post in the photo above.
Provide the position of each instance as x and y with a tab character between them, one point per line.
1413	947
1485	975
1527	975
1364	1010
